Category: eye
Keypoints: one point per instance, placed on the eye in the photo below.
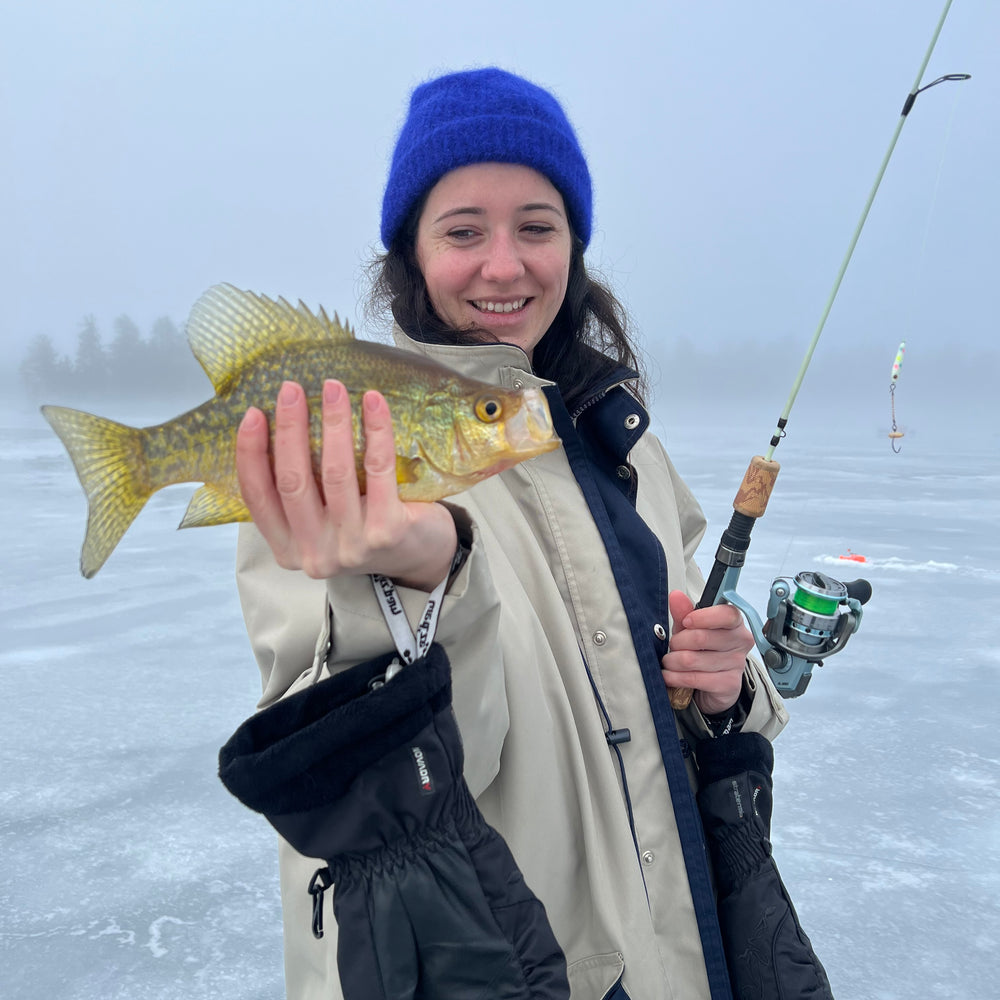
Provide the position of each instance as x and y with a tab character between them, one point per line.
488	409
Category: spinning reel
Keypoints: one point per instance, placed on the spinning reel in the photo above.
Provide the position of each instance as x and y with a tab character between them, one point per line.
808	619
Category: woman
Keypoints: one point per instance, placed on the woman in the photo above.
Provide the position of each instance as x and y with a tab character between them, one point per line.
569	610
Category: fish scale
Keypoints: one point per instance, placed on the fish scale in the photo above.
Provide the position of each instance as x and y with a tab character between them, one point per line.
450	431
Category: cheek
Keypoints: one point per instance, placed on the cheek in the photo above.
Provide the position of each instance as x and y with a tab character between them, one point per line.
559	264
560	278
430	265
443	282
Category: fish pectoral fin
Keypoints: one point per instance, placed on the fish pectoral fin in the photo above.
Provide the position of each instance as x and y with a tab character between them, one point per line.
407	469
407	472
212	505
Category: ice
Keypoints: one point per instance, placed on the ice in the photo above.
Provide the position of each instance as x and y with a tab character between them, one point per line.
129	872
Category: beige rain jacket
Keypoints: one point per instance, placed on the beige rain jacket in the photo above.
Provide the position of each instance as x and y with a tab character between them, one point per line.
535	593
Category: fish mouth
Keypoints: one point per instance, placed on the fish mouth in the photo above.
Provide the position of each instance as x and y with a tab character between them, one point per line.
529	431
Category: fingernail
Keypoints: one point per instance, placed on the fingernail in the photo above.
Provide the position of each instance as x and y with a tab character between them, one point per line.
371	402
289	393
332	391
251	418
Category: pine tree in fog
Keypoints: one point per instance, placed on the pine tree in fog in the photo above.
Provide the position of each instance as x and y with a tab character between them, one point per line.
129	367
127	357
90	369
173	364
43	370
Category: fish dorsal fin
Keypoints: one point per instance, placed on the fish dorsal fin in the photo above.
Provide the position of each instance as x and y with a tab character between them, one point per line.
229	329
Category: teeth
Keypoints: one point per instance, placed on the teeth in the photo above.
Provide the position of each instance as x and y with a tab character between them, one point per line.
499	307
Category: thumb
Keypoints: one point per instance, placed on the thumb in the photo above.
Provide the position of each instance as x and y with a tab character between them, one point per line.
680	606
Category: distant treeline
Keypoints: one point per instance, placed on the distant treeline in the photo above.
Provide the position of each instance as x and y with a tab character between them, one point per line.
128	366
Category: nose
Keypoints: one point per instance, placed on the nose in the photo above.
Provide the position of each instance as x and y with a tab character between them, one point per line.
503	261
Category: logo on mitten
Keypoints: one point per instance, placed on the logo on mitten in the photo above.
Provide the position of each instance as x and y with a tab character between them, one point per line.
737	798
423	772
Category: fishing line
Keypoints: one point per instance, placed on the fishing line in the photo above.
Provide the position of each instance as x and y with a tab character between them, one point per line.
940	170
779	432
758	482
895	434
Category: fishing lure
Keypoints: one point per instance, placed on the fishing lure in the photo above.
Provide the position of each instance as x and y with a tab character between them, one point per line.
895	434
789	660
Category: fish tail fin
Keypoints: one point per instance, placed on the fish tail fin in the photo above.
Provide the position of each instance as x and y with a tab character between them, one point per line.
110	462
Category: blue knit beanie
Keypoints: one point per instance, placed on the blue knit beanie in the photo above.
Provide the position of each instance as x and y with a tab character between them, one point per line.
484	116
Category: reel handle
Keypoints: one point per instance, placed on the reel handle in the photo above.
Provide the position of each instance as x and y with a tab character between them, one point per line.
860	590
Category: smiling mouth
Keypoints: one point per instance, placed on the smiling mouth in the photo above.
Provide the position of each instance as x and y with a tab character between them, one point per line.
485	305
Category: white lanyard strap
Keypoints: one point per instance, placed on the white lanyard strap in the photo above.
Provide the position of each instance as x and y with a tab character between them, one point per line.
410	645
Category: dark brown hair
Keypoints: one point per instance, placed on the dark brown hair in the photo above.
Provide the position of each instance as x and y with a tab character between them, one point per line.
587	340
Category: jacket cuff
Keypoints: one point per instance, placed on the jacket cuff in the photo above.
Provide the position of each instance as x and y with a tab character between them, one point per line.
358	630
733	718
758	710
767	714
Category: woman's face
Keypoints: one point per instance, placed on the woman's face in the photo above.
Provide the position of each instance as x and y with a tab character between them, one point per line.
493	245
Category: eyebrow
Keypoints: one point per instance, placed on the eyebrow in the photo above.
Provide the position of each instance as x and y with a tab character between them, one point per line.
530	207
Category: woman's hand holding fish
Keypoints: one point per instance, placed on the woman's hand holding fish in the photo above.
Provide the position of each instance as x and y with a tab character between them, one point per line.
331	528
708	651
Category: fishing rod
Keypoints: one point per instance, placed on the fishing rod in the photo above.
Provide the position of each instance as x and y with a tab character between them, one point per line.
813	616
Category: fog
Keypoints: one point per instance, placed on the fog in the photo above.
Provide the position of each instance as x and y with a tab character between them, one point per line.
152	150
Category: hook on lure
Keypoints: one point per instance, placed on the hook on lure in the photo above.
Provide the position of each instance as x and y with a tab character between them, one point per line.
758	482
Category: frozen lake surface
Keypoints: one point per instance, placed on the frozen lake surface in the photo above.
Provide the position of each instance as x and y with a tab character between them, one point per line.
127	871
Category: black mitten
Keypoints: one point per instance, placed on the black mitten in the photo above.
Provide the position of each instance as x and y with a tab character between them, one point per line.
769	955
428	898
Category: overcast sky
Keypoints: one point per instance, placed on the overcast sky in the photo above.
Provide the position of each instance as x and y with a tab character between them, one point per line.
152	149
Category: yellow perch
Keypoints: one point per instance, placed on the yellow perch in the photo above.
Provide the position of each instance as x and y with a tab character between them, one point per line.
450	431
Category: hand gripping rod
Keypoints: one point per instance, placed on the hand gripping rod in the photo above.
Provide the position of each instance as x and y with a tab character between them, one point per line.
755	490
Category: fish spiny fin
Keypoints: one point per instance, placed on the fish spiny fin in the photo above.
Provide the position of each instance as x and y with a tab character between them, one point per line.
229	330
109	459
213	505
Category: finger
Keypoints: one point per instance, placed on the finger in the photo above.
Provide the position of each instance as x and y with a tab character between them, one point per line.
708	648
707	661
381	488
721	616
719	627
685	615
341	491
701	680
680	606
712	640
718	690
293	469
704	628
253	471
691	664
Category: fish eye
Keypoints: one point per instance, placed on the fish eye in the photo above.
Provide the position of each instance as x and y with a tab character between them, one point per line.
488	409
